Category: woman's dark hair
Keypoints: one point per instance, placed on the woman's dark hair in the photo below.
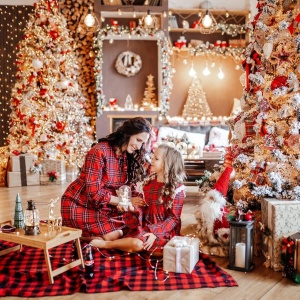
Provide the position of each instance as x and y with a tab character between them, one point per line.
120	137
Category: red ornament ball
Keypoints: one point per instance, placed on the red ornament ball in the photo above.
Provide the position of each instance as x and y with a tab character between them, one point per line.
248	217
60	126
278	82
54	34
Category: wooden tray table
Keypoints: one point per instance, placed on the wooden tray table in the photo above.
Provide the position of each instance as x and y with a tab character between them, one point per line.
46	241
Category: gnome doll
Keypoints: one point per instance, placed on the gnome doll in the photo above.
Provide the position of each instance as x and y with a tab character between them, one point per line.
213	224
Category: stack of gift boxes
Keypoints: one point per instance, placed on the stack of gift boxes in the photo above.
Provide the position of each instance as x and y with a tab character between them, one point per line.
281	218
53	172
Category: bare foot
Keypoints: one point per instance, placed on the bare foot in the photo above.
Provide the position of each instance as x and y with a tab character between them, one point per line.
98	243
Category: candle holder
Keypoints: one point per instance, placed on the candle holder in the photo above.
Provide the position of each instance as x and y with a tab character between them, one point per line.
31	219
241	245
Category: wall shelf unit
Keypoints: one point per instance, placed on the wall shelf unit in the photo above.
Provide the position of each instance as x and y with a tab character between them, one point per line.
231	24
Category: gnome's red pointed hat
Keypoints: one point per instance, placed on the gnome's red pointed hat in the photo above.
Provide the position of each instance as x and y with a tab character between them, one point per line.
222	183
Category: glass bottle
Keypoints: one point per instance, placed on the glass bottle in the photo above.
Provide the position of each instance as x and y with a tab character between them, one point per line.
89	262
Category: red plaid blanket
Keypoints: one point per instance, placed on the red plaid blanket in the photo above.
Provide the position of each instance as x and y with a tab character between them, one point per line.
25	274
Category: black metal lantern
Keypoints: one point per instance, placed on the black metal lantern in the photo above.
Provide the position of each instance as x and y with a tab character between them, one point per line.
241	245
31	219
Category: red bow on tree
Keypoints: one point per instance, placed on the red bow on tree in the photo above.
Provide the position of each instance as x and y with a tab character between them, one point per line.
288	245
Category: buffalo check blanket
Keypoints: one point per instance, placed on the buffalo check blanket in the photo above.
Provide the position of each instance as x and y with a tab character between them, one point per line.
24	274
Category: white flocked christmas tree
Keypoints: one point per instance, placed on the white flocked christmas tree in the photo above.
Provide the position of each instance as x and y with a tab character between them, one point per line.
47	105
196	105
265	145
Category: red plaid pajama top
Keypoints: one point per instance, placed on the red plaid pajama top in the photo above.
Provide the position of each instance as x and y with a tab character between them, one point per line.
156	217
84	204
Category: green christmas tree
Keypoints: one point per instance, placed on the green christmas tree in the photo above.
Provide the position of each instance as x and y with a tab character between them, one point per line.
18	217
196	105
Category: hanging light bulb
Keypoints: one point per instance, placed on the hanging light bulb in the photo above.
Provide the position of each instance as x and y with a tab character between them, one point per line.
206	71
134	14
207	20
213	64
119	12
148	19
89	19
221	74
192	71
237	67
184	61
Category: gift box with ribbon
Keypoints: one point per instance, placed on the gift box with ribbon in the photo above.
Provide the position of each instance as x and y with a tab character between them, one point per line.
181	254
281	217
22	162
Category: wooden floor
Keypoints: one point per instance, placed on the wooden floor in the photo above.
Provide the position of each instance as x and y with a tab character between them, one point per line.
261	283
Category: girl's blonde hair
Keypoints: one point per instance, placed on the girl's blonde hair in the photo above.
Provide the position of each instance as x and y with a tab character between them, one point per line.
173	167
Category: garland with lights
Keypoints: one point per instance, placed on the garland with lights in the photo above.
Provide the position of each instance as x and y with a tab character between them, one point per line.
163	45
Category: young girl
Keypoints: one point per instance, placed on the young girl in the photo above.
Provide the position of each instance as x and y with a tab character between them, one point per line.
155	223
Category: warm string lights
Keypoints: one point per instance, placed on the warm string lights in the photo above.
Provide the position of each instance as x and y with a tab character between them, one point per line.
46	88
212	57
12	21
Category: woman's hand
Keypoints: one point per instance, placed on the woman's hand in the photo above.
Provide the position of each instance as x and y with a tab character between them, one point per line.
149	243
138	201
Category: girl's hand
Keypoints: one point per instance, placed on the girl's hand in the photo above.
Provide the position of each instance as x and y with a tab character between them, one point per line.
149	243
138	201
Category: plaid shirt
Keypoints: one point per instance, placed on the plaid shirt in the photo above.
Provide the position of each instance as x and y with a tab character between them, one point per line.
156	217
84	204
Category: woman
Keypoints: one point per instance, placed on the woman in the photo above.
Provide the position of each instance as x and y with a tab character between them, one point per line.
89	203
155	223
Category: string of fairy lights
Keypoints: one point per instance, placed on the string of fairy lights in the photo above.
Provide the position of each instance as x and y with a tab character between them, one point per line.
12	21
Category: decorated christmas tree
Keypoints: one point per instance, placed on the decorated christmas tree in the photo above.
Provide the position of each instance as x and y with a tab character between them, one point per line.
265	144
48	107
149	99
196	105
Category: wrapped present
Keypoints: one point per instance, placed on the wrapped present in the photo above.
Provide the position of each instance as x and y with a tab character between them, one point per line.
291	256
281	217
22	179
51	165
53	179
181	254
17	163
71	173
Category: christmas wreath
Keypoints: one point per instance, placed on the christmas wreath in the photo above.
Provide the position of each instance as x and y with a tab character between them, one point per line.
128	63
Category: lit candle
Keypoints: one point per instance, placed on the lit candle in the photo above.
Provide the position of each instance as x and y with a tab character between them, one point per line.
240	255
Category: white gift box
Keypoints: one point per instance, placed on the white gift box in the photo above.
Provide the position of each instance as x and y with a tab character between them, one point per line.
14	179
282	217
71	173
61	179
181	254
14	162
51	165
